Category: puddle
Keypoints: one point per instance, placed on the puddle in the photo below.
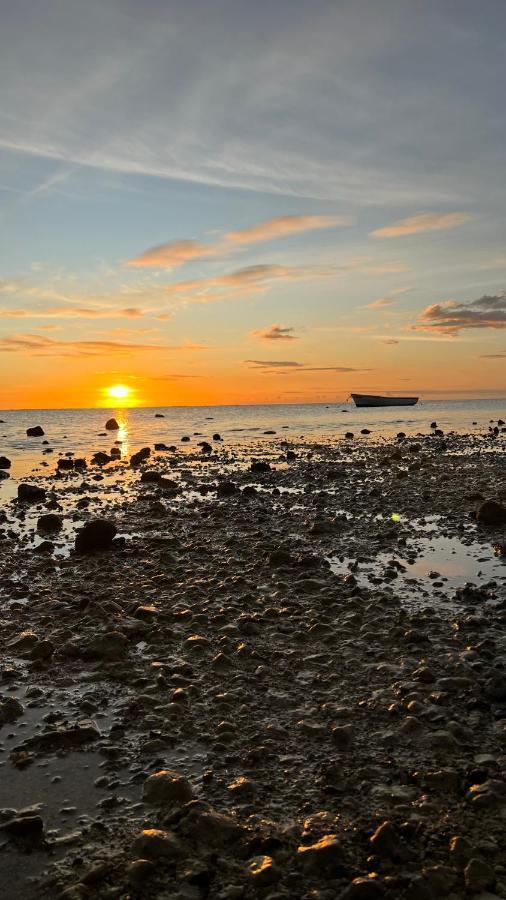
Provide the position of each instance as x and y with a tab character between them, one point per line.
429	567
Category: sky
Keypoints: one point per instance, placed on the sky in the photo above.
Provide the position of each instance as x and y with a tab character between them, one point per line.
235	202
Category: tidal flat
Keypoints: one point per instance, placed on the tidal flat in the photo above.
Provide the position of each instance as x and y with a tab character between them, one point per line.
279	673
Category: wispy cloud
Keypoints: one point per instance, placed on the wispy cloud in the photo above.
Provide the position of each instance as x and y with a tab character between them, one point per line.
241	283
451	317
39	345
281	227
421	223
494	355
176	253
273	366
76	312
380	303
390	341
276	333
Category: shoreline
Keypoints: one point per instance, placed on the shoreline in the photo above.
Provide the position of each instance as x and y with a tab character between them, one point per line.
236	638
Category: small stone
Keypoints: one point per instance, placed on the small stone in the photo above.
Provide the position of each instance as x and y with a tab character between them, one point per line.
167	788
327	851
263	871
491	512
139	871
342	736
4	462
30	493
243	787
137	458
362	889
35	431
151	477
152	843
26	828
111	425
10	709
384	841
478	876
95	535
49	522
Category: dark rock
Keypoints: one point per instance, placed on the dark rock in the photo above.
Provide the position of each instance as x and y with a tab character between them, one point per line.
44	547
66	736
31	493
217	437
27	828
259	466
349	435
185	439
80	463
111	425
100	458
49	522
65	465
159	416
226	489
384	841
95	535
290	456
115	453
280	558
206	448
4	462
36	431
137	458
151	477
161	446
491	512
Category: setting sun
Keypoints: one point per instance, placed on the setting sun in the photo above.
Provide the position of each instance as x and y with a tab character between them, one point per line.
118	392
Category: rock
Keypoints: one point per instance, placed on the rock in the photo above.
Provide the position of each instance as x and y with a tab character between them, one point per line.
64	737
495	687
10	709
107	647
167	788
342	736
384	841
207	826
111	425
27	828
259	466
35	431
349	435
4	462
362	889
185	439
461	851
291	456
243	788
325	852
49	522
31	493
42	650
152	843
151	477
139	871
262	871
365	431
217	437
23	643
65	465
491	512
100	458
280	558
137	458
95	535
226	489
159	416
478	876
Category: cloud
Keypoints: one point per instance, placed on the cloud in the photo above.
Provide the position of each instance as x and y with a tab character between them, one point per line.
241	283
172	255
276	333
421	223
39	345
270	365
451	317
379	303
71	312
176	253
493	356
390	341
283	226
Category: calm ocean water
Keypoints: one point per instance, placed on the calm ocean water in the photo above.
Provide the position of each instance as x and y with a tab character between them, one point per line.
81	430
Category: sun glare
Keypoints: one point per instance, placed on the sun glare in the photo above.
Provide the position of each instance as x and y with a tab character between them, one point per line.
118	392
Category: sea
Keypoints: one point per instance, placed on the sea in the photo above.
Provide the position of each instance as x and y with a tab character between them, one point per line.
82	431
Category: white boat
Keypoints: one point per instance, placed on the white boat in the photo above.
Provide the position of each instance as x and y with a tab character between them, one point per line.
376	400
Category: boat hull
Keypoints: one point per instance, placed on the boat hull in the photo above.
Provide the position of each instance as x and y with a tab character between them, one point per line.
374	400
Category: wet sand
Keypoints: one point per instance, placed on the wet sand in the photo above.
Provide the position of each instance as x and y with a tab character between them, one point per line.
314	653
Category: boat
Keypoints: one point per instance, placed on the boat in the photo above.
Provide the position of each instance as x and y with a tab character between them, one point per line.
376	400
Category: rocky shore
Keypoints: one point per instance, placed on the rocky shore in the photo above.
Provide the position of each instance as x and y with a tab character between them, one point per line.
226	674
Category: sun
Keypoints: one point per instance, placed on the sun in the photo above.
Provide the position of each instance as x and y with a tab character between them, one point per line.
118	392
